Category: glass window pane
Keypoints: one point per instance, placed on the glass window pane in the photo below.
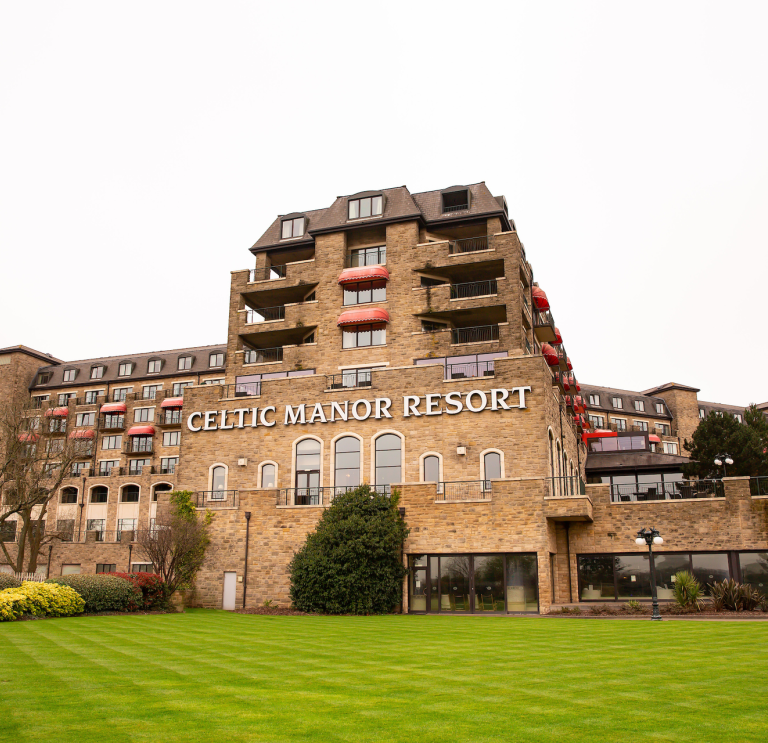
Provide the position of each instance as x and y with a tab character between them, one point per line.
308	461
633	576
348	443
365	207
348	338
389	458
379	335
492	466
354	209
387	475
379	291
666	566
268	476
417	598
298	227
363	335
489	583
218	480
454	583
431	469
376	205
347	459
754	569
596	577
350	294
710	568
388	441
286	228
364	292
522	583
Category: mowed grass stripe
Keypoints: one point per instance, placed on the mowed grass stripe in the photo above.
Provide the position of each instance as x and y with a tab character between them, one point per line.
212	676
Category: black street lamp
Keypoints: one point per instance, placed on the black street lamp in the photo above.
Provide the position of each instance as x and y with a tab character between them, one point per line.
722	460
651	537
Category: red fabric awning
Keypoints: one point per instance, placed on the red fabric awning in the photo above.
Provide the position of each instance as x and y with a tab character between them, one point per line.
539	298
355	317
86	434
363	273
57	412
172	402
558	338
550	355
28	437
654	439
569	364
141	431
113	407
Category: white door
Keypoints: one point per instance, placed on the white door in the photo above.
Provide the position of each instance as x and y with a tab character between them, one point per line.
230	587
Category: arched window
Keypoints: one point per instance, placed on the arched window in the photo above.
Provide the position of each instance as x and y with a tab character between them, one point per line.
69	495
431	468
347	463
307	482
162	487
388	459
99	494
219	478
551	455
492	466
268	476
130	494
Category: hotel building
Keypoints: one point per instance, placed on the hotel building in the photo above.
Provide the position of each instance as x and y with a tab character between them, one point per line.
400	340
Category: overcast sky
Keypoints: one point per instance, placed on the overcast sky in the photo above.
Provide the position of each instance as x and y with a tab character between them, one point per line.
146	145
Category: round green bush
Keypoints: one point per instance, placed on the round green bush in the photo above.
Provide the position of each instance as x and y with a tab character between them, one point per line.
103	592
40	600
8	581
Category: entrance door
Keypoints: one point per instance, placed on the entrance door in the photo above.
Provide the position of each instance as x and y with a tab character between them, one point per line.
230	588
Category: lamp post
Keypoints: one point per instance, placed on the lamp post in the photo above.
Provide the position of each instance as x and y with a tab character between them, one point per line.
651	537
722	460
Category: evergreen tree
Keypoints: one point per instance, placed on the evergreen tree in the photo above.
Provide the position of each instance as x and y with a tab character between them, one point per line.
746	442
352	563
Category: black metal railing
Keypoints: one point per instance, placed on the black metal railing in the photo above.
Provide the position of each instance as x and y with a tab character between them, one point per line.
317	496
367	257
543	318
659	491
457	208
566	486
265	314
141	446
468	245
758	485
169	418
659	431
214	499
351	378
477	334
146	394
112	424
262	355
134	469
109	471
468	370
464	490
267	273
474	289
167	469
242	389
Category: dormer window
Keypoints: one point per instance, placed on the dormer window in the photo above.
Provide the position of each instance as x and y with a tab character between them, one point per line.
292	228
216	359
125	369
370	206
44	377
97	372
455	199
70	375
185	362
154	366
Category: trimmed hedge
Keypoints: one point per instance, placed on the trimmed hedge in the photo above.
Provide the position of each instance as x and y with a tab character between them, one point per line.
9	581
103	592
151	585
39	600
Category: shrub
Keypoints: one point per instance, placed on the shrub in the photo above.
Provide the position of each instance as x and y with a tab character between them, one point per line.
40	600
688	591
733	596
152	587
9	581
352	563
103	592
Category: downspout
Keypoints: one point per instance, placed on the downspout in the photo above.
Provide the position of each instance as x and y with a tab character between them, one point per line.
48	569
245	569
130	553
568	554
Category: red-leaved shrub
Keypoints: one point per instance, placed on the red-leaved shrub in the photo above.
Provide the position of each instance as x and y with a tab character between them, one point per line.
151	585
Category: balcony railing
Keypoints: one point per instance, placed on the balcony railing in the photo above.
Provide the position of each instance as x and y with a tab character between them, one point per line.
112	424
351	378
143	469
167	469
171	418
242	389
109	471
267	273
262	355
474	289
468	245
565	487
317	496
457	208
139	447
265	314
469	370
758	485
477	334
214	499
658	491
467	490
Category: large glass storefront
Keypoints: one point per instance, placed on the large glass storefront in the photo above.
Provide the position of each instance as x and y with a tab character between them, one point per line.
472	584
754	569
624	577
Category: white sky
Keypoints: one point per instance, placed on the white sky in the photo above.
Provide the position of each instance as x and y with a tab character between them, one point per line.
144	146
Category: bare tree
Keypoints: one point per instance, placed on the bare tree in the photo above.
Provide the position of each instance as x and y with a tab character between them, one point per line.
36	454
177	543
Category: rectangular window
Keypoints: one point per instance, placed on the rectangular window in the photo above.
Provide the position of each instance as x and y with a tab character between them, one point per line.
54	446
111	442
114	421
213	381
365	292
178	388
737	416
659	408
368	256
142	567
185	362
702	414
97	372
171	438
662	429
154	366
91	396
69	375
66	527
105	467
125	369
120	394
216	359
149	392
594	400
58	425
77	468
142	415
125	525
106	567
370	206
168	465
135	465
670	447
598	421
292	228
619	424
365	335
617	403
65	397
95	525
641	425
85	419
8	531
70	570
640	406
37	401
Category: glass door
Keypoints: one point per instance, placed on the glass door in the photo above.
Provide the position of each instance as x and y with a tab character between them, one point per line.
488	583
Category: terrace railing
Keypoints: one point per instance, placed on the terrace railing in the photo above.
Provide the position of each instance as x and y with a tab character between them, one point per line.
474	289
242	389
349	379
265	314
262	355
477	334
468	245
469	370
662	491
213	499
758	485
464	490
267	273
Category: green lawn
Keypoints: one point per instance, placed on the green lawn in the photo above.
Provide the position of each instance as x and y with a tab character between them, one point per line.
211	676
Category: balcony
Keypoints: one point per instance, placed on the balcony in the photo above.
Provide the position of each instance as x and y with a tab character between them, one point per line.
262	355
267	273
758	486
468	245
265	314
477	334
242	389
214	499
112	423
665	491
317	496
544	326
469	370
169	418
139	446
109	471
466	490
349	380
143	469
474	289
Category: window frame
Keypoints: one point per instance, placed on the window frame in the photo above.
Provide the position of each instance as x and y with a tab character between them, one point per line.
184	359
151	362
639	406
346	289
260	480
122	366
361	465
373	441
360	202
97	371
620	401
215	354
347	331
167	435
293	221
70	375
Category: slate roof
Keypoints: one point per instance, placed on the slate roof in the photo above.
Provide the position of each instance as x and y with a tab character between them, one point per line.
628	402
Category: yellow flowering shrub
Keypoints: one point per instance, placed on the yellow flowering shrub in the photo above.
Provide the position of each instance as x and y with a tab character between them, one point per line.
40	600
